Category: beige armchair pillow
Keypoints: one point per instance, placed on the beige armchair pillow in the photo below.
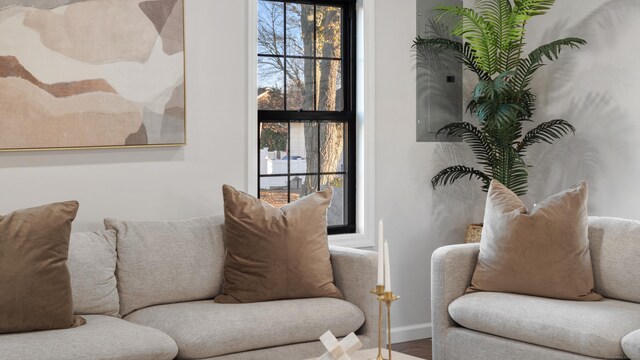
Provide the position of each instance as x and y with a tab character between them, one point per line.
275	254
543	252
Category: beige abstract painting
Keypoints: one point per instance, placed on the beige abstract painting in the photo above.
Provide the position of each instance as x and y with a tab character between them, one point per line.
91	73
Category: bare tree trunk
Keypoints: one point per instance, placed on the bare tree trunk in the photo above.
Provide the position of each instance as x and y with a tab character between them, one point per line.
308	23
331	134
310	129
325	83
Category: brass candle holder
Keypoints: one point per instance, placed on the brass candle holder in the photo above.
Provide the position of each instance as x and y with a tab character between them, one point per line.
386	297
379	293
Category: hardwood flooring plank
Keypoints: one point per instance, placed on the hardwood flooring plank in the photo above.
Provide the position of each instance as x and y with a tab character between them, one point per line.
418	348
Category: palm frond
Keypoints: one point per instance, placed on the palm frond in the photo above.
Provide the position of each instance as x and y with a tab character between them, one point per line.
500	14
527	101
507	114
497	88
494	103
551	51
519	177
427	48
504	135
452	174
532	8
547	132
511	170
480	144
477	31
524	74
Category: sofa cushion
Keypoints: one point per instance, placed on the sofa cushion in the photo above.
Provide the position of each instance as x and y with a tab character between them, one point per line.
615	250
542	252
162	262
103	337
588	328
631	345
206	329
35	286
276	253
92	265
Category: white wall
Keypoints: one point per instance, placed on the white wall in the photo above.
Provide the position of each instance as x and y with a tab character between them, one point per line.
170	183
597	89
403	194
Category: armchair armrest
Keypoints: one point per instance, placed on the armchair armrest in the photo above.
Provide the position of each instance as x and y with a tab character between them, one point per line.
451	271
354	273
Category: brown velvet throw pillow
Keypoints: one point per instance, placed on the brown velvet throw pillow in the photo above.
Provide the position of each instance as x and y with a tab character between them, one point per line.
544	252
275	254
35	285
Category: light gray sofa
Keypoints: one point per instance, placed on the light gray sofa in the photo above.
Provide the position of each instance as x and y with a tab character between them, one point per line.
487	325
146	291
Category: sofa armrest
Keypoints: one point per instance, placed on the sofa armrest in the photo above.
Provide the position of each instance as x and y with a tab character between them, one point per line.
355	273
451	271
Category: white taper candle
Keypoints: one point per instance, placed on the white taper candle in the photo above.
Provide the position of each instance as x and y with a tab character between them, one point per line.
387	271
380	254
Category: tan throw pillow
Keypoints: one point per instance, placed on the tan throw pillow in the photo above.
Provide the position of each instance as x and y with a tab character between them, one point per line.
544	252
35	287
273	253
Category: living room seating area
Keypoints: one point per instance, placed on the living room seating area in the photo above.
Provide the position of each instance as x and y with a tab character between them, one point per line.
319	180
179	318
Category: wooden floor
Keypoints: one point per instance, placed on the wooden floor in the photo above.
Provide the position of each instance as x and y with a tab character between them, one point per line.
418	348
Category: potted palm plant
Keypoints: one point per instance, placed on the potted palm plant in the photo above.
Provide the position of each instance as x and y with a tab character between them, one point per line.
491	46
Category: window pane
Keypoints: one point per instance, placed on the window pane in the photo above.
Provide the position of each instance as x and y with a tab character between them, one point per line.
329	78
270	84
304	147
273	190
270	28
336	212
302	186
300	29
300	84
273	147
329	31
302	55
332	147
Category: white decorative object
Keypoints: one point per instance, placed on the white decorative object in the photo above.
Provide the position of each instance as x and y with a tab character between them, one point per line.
339	350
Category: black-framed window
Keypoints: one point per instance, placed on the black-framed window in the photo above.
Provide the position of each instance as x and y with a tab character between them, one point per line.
306	104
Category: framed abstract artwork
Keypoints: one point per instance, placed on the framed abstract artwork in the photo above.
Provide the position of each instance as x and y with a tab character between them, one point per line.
91	74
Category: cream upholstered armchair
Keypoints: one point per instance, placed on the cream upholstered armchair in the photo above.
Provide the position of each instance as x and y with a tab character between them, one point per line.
491	325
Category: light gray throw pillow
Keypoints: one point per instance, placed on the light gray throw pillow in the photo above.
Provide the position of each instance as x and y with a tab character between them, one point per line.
92	265
163	262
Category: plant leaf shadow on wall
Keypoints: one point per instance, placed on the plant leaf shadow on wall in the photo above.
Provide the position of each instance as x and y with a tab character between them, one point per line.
589	90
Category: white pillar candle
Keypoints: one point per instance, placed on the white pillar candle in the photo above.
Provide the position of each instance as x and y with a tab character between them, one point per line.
380	254
387	271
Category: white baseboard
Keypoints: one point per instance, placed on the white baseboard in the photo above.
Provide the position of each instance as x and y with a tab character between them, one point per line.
411	332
